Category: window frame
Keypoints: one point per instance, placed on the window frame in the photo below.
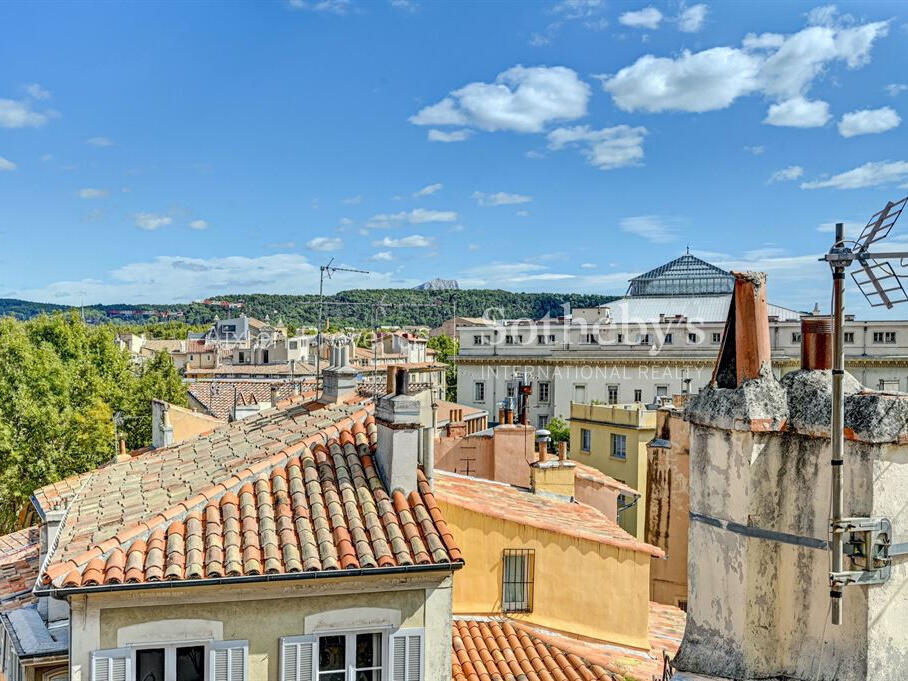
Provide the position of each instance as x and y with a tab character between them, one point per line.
350	669
545	392
479	391
528	574
611	394
717	337
614	449
170	656
586	440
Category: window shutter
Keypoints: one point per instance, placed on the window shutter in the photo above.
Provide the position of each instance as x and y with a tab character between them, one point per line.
298	658
228	661
407	655
111	665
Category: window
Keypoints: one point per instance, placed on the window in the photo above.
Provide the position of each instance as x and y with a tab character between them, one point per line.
591	339
264	357
477	340
795	336
692	338
512	389
668	339
579	393
585	438
638	395
509	340
350	657
620	338
849	336
542	421
227	660
190	358
517	580
661	391
551	338
619	446
889	386
717	337
479	392
293	345
884	336
644	339
540	339
613	394
544	387
242	357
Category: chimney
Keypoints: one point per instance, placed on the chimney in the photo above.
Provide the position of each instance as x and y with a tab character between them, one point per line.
745	352
273	396
122	449
816	343
391	381
52	609
339	381
562	451
161	428
500	414
543	449
428	447
397	421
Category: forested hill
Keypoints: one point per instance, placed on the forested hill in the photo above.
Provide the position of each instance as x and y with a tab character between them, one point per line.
358	307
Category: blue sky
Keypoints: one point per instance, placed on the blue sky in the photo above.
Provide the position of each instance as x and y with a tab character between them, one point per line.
154	152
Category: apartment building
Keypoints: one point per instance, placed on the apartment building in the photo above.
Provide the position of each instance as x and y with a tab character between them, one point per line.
660	339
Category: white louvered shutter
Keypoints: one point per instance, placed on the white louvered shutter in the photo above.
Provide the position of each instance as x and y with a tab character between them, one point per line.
407	655
228	661
298	658
111	665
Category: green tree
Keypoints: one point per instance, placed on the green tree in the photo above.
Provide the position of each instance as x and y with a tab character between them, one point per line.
446	349
157	379
560	430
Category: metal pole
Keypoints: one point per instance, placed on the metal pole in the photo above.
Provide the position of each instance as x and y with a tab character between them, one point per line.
318	331
838	422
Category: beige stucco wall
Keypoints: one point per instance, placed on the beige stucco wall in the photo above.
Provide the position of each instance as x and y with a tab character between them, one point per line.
261	614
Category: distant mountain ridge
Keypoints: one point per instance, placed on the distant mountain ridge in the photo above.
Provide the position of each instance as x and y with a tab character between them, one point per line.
357	307
438	285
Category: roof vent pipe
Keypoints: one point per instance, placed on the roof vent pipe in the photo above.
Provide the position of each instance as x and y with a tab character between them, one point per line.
816	343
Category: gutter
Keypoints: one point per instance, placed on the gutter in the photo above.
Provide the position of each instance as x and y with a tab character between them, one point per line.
64	593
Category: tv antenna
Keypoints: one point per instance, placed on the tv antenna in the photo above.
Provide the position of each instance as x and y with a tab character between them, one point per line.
328	269
868	539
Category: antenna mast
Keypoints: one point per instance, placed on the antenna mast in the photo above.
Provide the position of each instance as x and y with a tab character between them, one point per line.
868	539
323	270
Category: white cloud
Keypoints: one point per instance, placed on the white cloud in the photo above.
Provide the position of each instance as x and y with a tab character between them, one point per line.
607	148
756	150
90	193
429	189
825	15
35	91
798	112
453	136
325	243
895	89
692	18
577	9
868	121
151	221
648	17
777	66
786	174
16	114
181	279
500	199
416	216
99	141
382	256
6	164
522	99
588	266
353	200
198	224
538	40
653	228
413	241
327	6
405	5
868	175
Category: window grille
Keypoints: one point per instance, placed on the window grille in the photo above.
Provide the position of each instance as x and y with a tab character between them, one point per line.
517	580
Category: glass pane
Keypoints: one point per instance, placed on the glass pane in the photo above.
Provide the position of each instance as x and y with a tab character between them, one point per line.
150	665
333	676
373	675
331	654
191	663
368	650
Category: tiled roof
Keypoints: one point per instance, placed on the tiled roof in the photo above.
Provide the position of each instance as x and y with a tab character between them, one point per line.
445	407
501	500
19	556
497	650
162	344
199	346
281	492
217	396
299	369
666	629
595	475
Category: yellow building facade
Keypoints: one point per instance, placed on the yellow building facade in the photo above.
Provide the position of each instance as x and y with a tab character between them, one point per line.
612	438
584	574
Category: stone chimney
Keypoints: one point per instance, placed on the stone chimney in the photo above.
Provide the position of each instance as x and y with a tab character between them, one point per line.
161	428
759	560
52	609
397	417
339	380
274	393
746	351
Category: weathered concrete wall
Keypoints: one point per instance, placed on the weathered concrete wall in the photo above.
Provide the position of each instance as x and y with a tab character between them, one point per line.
668	510
758	608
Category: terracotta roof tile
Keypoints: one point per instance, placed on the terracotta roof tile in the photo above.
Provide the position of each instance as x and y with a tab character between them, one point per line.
249	504
518	505
497	650
19	563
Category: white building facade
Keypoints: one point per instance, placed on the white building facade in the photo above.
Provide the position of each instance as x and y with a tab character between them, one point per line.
660	339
